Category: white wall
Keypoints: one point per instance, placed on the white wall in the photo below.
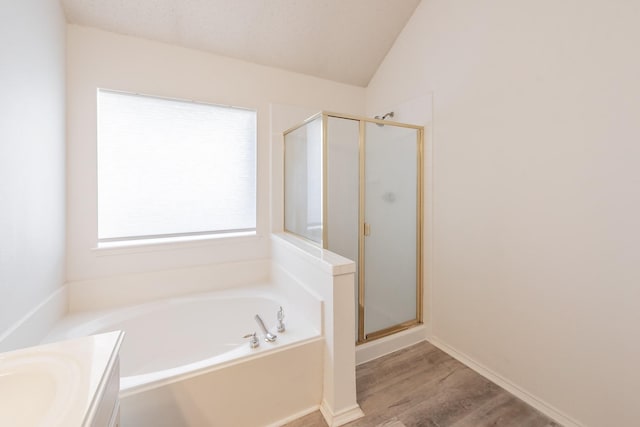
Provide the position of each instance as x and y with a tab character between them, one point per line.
535	192
32	155
101	59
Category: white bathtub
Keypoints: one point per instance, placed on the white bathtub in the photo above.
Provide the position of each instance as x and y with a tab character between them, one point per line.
184	360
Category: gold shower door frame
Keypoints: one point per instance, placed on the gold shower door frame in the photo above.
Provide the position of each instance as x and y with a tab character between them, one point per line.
362	337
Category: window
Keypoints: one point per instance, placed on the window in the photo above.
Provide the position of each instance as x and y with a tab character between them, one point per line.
169	168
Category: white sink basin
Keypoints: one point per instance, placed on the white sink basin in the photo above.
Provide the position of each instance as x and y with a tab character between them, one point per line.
63	384
37	389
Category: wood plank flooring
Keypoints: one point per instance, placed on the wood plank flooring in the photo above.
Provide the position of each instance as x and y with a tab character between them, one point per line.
421	386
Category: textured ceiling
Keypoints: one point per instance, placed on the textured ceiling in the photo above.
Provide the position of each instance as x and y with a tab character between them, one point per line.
341	40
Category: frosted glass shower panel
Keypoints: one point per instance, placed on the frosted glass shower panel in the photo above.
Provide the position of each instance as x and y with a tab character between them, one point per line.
303	181
342	186
391	218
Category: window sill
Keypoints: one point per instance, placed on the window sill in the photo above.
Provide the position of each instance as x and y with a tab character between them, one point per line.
171	243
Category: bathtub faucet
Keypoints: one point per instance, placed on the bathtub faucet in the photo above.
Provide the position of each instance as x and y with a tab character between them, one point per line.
253	340
268	336
281	320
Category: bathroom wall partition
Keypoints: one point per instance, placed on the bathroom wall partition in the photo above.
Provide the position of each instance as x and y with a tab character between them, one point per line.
353	185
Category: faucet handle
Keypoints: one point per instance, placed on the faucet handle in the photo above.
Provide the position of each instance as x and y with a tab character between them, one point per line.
253	340
281	327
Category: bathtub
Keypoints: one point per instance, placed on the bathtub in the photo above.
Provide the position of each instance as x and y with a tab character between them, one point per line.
184	361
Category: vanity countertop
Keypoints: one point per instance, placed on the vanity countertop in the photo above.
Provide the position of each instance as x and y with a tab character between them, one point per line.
57	384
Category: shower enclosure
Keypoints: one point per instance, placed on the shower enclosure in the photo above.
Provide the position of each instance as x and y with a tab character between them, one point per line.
353	185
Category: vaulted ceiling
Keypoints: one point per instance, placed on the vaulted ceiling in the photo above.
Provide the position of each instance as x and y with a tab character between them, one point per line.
341	40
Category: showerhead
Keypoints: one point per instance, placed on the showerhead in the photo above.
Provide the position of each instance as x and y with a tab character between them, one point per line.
386	116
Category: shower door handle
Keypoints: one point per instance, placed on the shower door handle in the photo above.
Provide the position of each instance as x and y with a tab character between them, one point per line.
367	229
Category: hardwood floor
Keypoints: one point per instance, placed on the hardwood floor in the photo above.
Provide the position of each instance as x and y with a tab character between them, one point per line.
421	386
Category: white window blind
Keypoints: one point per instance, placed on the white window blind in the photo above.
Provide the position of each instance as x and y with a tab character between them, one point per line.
173	168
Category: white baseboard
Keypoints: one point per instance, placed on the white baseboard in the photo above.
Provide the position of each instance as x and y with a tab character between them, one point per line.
512	388
36	324
341	418
389	344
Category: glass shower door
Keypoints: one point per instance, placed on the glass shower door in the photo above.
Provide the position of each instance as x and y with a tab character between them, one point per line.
391	228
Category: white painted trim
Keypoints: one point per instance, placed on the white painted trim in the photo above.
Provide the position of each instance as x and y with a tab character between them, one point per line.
341	418
172	243
512	388
295	416
36	324
389	344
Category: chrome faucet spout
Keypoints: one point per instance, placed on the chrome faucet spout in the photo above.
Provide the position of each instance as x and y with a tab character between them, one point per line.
268	336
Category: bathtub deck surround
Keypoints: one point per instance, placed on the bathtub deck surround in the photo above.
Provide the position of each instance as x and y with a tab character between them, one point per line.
271	388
